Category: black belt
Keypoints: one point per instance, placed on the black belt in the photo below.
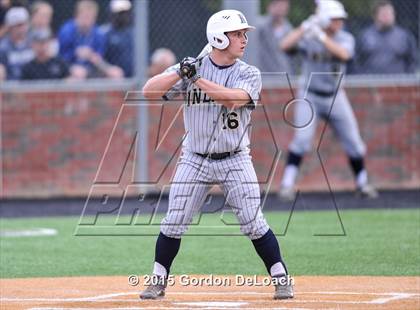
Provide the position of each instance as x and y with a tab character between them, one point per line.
321	93
218	156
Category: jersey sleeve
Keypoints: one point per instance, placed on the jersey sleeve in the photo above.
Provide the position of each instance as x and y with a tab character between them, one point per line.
348	43
178	88
250	81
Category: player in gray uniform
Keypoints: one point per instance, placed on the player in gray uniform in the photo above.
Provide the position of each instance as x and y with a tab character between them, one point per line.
220	91
326	48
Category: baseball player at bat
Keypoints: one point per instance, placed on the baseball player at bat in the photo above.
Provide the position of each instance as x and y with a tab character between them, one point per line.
220	91
326	48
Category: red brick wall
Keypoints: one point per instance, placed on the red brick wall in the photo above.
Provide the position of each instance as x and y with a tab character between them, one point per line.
53	143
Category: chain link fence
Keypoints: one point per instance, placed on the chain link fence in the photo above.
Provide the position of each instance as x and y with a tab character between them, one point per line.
389	50
178	25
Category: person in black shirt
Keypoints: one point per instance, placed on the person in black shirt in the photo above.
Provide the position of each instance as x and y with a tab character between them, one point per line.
44	66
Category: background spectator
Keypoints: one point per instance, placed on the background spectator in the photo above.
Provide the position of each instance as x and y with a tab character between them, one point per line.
15	48
119	45
41	15
270	33
4	6
161	59
81	42
386	48
44	65
41	18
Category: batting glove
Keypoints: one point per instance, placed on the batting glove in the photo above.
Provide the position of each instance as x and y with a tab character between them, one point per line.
188	69
316	32
310	22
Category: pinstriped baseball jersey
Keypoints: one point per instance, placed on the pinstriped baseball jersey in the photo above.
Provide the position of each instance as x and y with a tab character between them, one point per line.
318	60
210	127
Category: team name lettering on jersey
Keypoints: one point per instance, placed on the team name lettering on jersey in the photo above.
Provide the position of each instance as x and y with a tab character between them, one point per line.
197	96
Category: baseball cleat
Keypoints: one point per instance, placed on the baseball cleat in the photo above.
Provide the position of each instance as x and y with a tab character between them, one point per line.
283	291
366	191
153	292
287	194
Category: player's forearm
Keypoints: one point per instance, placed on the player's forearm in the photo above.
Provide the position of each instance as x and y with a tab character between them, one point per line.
230	98
292	39
335	49
159	85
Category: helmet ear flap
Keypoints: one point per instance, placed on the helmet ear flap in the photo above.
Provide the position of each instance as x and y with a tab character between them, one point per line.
219	41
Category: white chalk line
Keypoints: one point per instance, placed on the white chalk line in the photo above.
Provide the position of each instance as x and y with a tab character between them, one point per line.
106	297
165	308
33	232
393	296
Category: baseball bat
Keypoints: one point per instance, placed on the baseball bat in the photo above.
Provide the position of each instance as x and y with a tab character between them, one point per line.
204	52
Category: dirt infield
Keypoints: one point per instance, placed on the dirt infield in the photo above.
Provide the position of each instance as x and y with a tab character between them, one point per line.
311	292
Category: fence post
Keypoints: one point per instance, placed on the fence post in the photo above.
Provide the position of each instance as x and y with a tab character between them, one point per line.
141	57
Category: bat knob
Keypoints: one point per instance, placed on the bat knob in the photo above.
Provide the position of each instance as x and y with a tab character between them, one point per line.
185	70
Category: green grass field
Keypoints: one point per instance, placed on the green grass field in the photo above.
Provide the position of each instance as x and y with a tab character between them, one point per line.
377	242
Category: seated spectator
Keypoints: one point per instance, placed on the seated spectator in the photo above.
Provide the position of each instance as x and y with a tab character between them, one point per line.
161	59
385	48
4	6
15	48
44	66
41	17
270	33
81	42
100	68
119	45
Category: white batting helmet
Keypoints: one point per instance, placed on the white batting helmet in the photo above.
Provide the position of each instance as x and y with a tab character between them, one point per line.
328	10
222	22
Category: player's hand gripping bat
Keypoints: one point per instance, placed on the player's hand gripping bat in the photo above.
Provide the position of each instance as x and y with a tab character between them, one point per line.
189	66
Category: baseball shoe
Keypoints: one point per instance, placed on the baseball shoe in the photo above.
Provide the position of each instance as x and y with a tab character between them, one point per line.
287	194
366	191
154	291
283	290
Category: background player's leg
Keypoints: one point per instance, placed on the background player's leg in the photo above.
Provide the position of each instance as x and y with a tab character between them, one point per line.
242	192
344	123
305	119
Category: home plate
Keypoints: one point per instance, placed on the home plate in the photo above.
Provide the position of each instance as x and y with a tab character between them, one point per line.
211	304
